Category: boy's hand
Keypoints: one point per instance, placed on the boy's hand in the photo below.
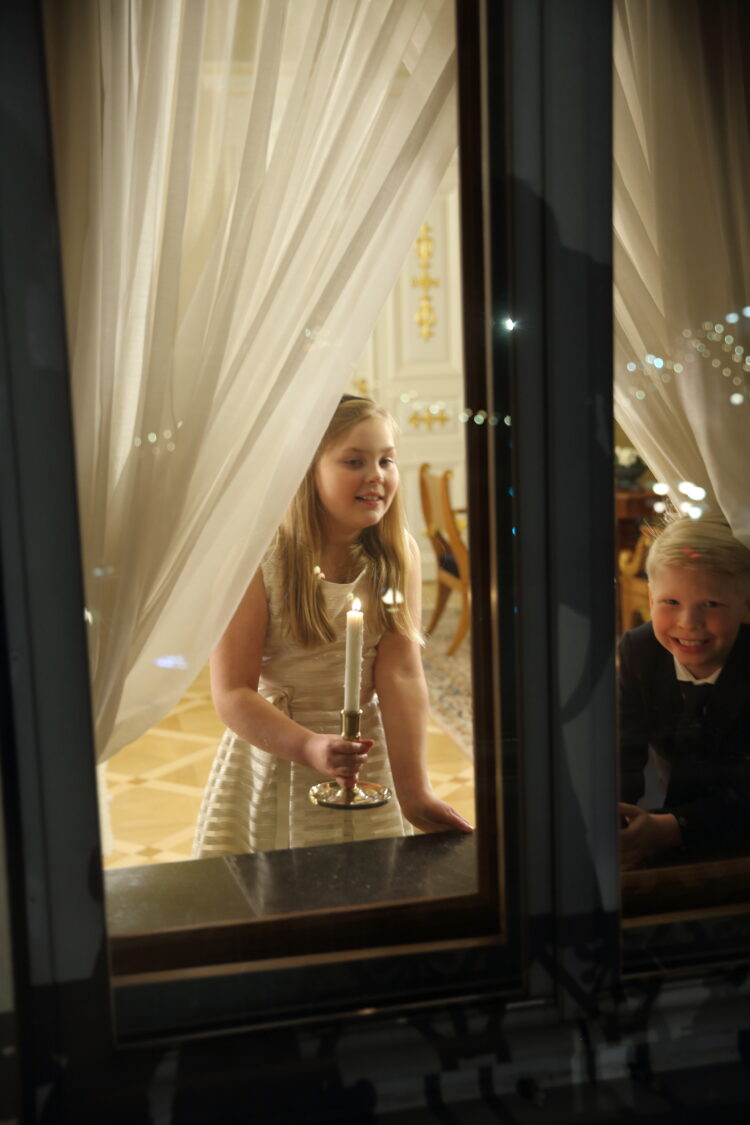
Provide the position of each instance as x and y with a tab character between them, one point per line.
429	814
338	757
644	834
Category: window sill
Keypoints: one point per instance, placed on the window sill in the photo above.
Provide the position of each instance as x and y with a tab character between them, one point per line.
673	893
179	916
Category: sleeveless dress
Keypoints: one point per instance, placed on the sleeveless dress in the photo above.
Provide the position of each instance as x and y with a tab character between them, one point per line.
255	801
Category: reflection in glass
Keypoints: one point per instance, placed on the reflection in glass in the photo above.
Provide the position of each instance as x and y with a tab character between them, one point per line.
216	288
682	157
189	347
155	785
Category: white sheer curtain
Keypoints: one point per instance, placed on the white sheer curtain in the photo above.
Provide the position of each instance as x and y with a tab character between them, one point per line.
239	184
682	245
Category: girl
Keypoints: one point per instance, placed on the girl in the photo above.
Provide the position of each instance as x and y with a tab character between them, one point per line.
277	673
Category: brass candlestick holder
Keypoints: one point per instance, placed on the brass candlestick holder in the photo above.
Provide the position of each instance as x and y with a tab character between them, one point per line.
361	795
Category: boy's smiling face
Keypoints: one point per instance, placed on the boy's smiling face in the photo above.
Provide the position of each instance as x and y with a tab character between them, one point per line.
696	614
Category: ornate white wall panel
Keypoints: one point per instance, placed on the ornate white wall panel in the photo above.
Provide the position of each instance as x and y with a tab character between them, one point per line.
420	380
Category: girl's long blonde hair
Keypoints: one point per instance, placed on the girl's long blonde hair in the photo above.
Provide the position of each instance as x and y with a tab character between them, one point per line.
382	551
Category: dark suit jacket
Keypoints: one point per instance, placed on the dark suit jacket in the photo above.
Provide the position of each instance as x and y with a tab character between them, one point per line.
709	787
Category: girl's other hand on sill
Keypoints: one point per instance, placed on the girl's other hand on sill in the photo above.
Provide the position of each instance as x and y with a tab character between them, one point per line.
430	814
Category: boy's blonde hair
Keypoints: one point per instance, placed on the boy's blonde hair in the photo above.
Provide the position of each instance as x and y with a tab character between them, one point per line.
705	543
382	551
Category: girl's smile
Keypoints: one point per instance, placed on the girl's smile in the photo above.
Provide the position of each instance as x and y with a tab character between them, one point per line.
357	478
696	615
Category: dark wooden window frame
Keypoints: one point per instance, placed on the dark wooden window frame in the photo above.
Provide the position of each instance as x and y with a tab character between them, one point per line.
413	912
52	788
539	178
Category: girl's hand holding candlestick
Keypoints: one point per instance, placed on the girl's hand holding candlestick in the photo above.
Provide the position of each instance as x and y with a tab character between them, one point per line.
342	759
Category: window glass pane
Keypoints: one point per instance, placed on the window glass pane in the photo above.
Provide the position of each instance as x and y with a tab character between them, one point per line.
682	330
161	349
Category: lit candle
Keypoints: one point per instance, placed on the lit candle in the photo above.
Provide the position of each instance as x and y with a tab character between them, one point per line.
353	661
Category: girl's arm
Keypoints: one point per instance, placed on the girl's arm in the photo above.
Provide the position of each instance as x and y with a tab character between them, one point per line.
402	691
235	672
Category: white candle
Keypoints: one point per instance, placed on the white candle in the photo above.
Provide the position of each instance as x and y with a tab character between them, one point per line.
353	661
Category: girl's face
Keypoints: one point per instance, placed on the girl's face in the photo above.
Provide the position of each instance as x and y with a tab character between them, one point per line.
696	615
357	478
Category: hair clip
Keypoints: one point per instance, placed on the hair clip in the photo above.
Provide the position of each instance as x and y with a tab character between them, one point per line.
318	573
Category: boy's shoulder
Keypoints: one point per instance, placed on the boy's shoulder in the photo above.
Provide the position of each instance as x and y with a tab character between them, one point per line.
741	647
641	655
640	639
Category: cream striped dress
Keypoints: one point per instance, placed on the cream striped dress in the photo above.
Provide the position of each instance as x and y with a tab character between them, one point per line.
257	802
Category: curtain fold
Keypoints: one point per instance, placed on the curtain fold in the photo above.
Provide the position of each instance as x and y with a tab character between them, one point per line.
239	184
682	247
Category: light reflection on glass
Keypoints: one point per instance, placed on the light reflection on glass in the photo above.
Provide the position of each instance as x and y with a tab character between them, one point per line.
174	661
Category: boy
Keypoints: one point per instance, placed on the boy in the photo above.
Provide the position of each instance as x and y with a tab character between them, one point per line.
684	686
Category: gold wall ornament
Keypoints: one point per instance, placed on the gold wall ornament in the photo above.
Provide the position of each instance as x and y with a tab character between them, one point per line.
360	386
429	417
426	318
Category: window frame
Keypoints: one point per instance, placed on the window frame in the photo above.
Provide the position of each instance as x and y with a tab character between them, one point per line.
480	915
539	177
52	783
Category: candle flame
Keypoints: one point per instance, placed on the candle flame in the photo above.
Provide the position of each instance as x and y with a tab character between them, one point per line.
356	605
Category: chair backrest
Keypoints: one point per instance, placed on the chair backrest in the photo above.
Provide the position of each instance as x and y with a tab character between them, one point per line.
632	585
440	519
632	562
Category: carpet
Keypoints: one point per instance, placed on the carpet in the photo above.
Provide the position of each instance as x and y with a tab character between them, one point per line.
449	680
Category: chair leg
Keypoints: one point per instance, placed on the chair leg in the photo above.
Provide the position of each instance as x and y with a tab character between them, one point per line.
463	625
443	593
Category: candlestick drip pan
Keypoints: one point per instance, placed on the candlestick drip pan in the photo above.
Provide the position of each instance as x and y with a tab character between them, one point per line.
363	795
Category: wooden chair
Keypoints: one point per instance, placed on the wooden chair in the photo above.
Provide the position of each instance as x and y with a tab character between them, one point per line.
451	553
632	587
